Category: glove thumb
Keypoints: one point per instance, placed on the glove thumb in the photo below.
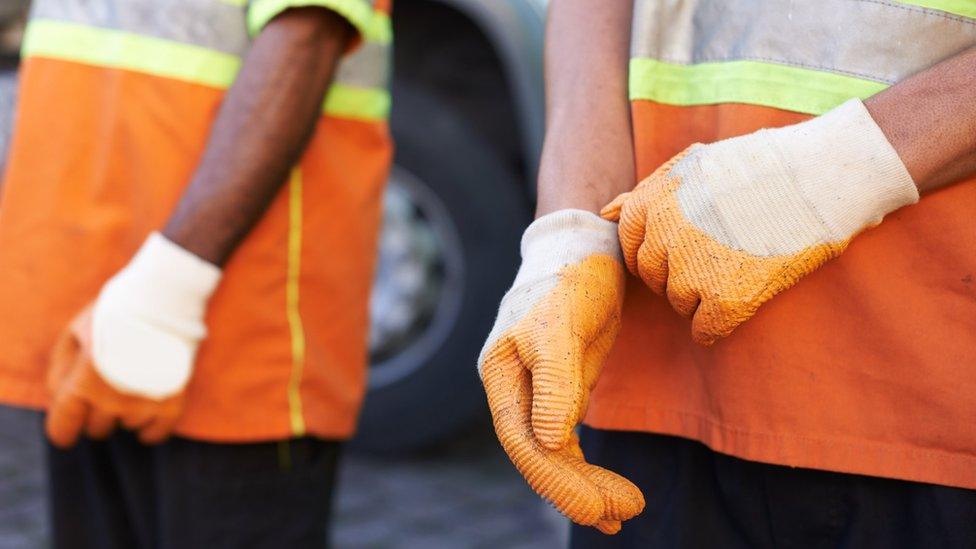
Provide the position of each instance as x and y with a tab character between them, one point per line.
611	212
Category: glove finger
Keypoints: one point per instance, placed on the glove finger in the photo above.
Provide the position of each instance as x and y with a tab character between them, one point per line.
65	420
137	415
551	475
608	527
99	424
557	389
64	356
593	359
652	265
713	322
598	351
681	292
631	230
554	340
622	500
157	430
162	426
611	212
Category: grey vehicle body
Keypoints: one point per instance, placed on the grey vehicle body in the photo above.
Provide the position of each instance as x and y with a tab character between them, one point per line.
516	31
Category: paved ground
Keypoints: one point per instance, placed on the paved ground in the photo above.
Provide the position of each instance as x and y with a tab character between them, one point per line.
22	514
462	495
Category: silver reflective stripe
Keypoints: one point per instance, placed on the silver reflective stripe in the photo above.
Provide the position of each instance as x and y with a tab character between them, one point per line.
212	24
875	40
367	67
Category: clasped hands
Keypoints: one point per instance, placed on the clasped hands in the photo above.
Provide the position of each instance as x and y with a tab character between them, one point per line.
718	230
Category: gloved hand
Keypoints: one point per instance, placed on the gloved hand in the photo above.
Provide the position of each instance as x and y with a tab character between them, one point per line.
127	358
722	228
554	329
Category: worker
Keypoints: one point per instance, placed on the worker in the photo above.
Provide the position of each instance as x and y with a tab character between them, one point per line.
187	237
789	361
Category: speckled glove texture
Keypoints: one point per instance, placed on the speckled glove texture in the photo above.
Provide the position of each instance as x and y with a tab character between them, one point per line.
127	359
554	330
722	228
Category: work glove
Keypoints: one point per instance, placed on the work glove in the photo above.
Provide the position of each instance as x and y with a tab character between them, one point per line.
127	358
722	228
554	329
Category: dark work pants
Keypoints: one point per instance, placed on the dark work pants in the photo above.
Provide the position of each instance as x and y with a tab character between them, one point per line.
697	498
119	494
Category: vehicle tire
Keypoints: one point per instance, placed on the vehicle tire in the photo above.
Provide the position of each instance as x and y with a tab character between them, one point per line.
429	388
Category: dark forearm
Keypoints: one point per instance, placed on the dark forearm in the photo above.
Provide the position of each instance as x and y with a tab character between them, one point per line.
930	119
588	156
260	132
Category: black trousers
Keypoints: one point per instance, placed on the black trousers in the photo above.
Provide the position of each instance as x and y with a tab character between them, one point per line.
697	498
119	494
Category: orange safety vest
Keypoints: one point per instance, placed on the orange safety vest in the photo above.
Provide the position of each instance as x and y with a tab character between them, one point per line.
117	98
866	366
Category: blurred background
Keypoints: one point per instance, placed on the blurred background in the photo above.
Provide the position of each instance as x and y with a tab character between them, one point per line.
425	469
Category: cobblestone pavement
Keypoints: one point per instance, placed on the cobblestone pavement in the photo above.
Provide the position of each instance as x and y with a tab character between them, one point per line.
462	495
22	513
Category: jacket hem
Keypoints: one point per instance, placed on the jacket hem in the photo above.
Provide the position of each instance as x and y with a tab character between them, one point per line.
216	432
23	394
842	455
33	396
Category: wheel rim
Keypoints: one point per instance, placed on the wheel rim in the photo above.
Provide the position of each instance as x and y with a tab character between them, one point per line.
417	290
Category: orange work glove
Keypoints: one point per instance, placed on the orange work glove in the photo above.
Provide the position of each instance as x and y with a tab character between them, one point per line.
84	402
722	228
555	328
127	359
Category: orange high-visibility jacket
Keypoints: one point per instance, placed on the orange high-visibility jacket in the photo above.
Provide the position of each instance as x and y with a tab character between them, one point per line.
116	101
867	365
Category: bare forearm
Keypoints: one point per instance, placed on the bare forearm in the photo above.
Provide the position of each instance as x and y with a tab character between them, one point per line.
930	119
588	155
263	126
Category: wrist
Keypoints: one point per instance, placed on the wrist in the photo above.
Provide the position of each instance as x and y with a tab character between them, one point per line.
559	192
164	280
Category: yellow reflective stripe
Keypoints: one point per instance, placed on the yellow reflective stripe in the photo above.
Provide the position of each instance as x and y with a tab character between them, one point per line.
965	8
292	283
380	29
772	85
352	102
123	50
359	12
241	3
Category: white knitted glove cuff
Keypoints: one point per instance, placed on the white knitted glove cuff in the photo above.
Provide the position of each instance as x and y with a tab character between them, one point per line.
553	241
845	168
779	191
149	319
566	237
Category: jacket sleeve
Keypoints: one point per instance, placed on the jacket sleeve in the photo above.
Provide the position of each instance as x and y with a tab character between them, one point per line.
359	13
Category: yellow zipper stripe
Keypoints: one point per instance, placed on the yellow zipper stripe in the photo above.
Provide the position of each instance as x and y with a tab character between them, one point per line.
295	324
